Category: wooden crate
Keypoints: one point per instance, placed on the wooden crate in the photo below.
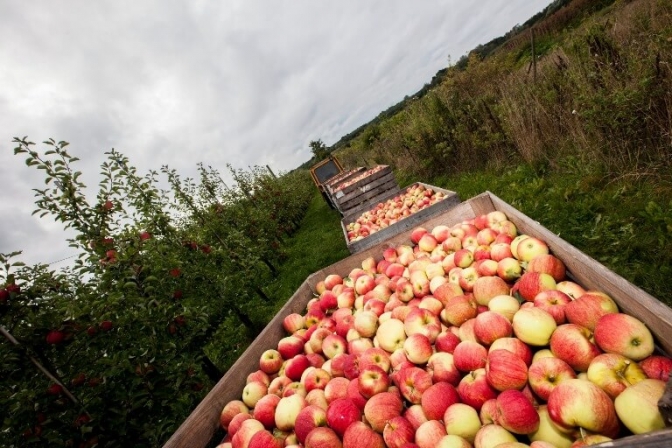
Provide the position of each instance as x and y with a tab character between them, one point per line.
365	191
198	429
408	223
342	177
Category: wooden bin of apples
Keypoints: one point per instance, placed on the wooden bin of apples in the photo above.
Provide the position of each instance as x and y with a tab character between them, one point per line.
394	213
484	330
366	187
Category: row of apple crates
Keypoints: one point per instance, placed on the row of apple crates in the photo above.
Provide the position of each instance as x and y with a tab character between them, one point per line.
201	429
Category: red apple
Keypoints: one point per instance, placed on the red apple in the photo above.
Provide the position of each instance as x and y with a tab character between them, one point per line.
360	434
625	335
308	419
587	309
322	437
429	434
469	356
474	389
532	283
372	380
381	408
491	326
270	361
571	343
553	302
412	383
230	410
398	432
515	346
485	288
341	413
546	373
264	410
548	264
657	367
504	370
336	388
437	398
441	366
516	413
459	309
613	373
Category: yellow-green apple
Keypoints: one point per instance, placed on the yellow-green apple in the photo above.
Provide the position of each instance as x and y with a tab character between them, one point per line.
375	356
490	326
462	420
489	412
490	436
451	244
546	373
230	410
427	242
590	440
505	370
315	378
515	413
548	264
466	331
550	432
613	373
412	383
637	406
294	367
624	334
247	429
308	419
429	433
463	258
486	267
295	387
265	439
372	380
500	251
515	346
530	248
515	242
336	388
418	348
252	392
459	309
446	341
360	434
657	367
485	288
293	322
573	290
317	397
437	398
495	217
322	437
259	375
509	269
505	305
474	389
417	233
543	353
264	410
364	284
553	301
579	404
422	321
290	346
532	283
533	326
278	385
381	408
287	410
341	413
486	236
442	368
391	335
453	441
333	345
366	323
397	432
415	415
469	355
368	264
468	277
404	290
587	309
571	343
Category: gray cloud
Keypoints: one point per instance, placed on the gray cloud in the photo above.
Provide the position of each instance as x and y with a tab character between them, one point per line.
243	82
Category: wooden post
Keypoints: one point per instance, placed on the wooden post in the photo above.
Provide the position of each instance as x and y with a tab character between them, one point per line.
271	171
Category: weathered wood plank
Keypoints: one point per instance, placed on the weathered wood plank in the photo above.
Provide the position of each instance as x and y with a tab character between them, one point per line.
384	171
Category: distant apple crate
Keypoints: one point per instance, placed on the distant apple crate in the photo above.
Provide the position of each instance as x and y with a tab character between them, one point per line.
365	191
343	177
408	223
201	429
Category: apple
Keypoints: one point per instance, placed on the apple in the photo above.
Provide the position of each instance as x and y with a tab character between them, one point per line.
546	373
446	341
398	432
381	408
336	388
587	309
418	348
322	437
295	367
422	321
515	413
264	439
577	403
391	335
458	309
308	419
334	345
489	412
491	436
270	361
467	278
258	375
625	335
571	343
354	395
360	434
573	290
427	243
415	415
466	331
441	367
504	370
474	389
412	383
287	410
553	302
500	251
550	432
417	233
264	410
317	397
637	406
515	346
486	268
247	429
252	392
230	410
463	258
509	269
341	413
505	305
278	385
316	378
295	387
429	433
490	326
434	306
534	326
532	283
437	398
375	356
462	420
529	248
290	346
657	367
372	380
485	288
548	264
469	356
613	373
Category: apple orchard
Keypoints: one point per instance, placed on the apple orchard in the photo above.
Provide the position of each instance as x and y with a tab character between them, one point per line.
471	336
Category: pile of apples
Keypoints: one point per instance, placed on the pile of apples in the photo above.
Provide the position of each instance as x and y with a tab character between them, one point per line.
384	214
470	337
356	179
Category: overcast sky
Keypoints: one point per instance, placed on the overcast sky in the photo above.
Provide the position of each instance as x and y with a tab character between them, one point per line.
244	82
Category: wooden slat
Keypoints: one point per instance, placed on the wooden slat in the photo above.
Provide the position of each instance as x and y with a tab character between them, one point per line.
368	190
386	170
344	176
656	439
